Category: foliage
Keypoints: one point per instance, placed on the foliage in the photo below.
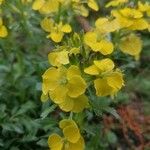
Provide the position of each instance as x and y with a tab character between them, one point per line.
25	122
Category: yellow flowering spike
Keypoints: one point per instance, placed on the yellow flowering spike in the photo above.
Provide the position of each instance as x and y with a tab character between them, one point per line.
131	45
92	4
66	122
66	28
102	88
55	142
92	70
76	86
71	133
115	3
3	31
131	13
58	58
37	4
80	145
47	24
104	64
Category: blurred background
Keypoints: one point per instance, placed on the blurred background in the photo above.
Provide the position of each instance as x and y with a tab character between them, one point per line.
26	122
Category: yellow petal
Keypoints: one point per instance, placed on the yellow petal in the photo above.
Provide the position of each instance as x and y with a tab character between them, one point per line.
90	38
139	24
56	36
131	45
76	86
80	103
100	21
92	4
71	133
3	31
123	21
79	145
67	104
66	122
47	24
49	6
115	80
106	47
102	88
104	64
58	95
66	28
50	78
55	142
92	70
37	4
73	71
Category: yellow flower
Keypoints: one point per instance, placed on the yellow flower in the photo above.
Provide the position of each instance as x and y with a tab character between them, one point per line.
98	45
92	4
58	58
106	26
71	140
3	29
46	6
56	30
108	81
130	18
115	3
61	82
132	45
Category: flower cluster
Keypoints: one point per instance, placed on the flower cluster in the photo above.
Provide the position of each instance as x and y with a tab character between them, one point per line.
71	140
84	61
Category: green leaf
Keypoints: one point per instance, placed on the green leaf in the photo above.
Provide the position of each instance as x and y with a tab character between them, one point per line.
47	111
